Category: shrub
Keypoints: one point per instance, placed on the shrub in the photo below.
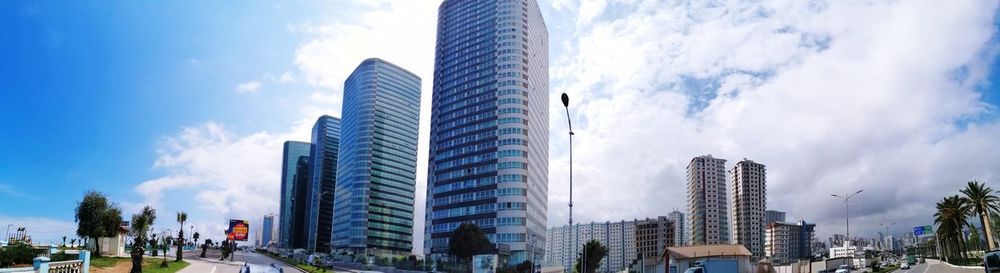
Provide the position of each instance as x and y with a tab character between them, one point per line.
17	254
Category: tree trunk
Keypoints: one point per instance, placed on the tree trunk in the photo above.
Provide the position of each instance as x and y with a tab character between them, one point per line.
180	243
985	219
137	252
964	247
97	248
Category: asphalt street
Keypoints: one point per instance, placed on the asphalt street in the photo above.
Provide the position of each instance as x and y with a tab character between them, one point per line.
935	266
256	262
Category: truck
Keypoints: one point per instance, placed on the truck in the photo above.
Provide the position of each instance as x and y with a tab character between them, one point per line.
713	266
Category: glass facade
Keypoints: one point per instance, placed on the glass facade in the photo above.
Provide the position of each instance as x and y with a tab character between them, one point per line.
323	181
376	178
293	150
266	230
489	126
300	212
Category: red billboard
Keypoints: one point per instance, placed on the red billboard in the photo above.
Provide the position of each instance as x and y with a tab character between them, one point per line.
238	230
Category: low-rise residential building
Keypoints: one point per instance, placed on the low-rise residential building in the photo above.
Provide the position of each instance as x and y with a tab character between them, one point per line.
562	244
625	241
652	237
789	242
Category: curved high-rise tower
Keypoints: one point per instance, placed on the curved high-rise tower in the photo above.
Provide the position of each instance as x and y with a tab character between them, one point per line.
376	174
489	126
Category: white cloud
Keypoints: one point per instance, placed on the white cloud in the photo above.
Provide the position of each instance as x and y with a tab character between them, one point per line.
286	77
248	87
10	191
832	96
215	175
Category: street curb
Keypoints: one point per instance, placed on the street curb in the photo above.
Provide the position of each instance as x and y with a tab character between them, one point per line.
965	267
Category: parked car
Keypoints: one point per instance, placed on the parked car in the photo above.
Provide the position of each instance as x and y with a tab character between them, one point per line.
843	269
991	261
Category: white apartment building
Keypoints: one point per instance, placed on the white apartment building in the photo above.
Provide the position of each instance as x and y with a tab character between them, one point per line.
680	231
618	237
748	206
708	220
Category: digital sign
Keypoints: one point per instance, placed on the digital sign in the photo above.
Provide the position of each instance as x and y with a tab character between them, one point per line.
238	230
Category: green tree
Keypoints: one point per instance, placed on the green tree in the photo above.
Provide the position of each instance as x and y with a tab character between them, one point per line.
974	240
594	252
467	241
64	241
139	231
981	199
97	217
195	237
154	245
205	246
951	216
181	217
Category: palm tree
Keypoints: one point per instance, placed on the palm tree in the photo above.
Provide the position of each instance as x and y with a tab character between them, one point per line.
140	229
951	216
981	199
181	217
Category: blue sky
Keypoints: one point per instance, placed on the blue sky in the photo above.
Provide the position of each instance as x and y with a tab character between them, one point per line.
88	89
176	104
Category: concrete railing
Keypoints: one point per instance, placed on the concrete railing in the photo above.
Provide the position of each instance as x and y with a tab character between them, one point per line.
44	265
17	270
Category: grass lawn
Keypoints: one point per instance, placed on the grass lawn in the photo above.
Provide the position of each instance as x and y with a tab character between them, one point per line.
153	266
105	262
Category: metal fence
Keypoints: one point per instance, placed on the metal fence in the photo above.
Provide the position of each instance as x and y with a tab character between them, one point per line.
43	264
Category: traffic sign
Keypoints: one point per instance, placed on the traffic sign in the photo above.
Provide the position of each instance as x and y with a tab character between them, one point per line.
921	230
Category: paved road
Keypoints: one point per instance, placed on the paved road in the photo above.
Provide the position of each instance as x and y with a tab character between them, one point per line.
211	264
263	263
935	266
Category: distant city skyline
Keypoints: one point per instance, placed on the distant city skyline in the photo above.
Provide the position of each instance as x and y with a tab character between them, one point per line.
192	115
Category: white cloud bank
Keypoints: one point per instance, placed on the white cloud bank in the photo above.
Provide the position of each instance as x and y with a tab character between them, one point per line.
831	95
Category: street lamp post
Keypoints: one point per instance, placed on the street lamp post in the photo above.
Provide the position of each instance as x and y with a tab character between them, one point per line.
847	205
565	101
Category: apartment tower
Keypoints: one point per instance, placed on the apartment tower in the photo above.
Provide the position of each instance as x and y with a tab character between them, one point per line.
708	219
748	206
489	134
680	233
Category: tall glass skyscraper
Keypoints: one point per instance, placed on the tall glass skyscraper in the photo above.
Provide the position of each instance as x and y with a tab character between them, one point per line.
293	150
376	177
300	211
267	229
323	182
489	147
